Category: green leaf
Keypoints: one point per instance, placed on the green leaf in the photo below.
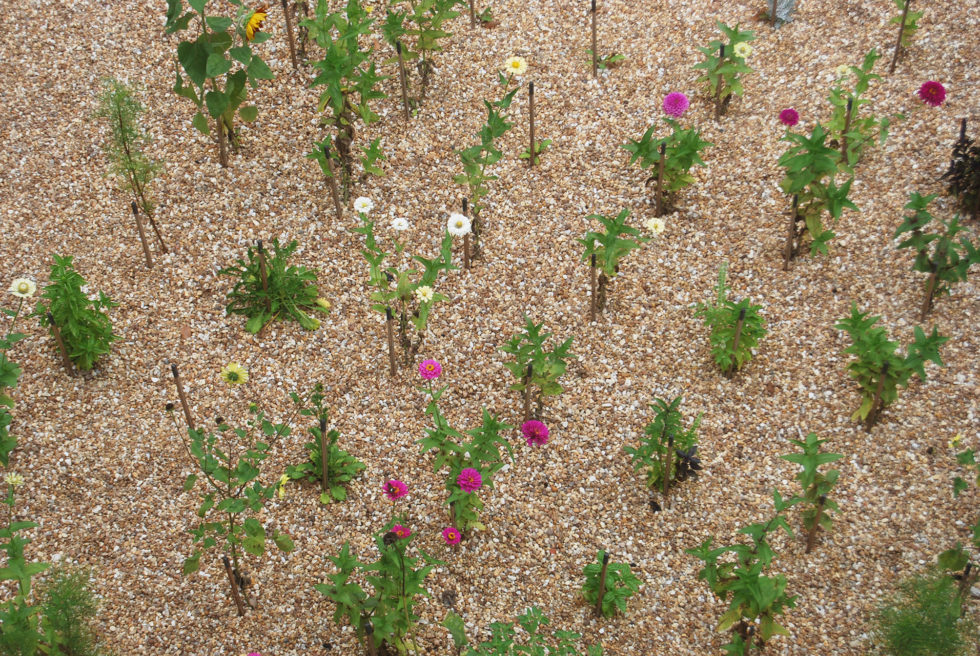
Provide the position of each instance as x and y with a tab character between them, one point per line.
189	483
198	5
249	113
457	629
284	542
192	564
218	23
217	65
201	123
259	70
193	56
242	54
217	103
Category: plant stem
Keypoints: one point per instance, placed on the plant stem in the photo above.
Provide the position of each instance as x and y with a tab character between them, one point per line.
873	414
402	77
139	227
847	128
660	179
289	32
930	291
60	342
901	32
738	337
811	536
602	584
235	594
595	51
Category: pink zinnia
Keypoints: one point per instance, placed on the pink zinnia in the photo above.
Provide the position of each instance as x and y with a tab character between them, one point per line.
430	369
395	489
400	531
535	432
789	117
451	535
932	93
676	103
470	480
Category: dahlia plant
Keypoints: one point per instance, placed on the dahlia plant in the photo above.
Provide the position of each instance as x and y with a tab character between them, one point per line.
533	366
816	484
611	591
736	328
667	451
424	21
608	248
850	132
724	63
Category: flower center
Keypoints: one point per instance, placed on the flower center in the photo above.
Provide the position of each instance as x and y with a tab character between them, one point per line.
22	288
233	376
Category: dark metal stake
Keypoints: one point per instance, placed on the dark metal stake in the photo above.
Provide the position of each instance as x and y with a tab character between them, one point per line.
324	457
403	78
602	584
791	235
530	109
183	399
660	179
139	226
595	52
333	181
391	340
593	300
873	415
901	31
235	593
811	536
60	342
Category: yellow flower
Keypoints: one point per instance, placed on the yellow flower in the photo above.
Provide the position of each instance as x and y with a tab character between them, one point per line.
255	21
743	50
234	374
324	303
369	9
955	442
282	485
516	65
23	287
13	479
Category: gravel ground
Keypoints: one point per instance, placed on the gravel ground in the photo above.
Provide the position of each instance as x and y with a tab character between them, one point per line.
105	469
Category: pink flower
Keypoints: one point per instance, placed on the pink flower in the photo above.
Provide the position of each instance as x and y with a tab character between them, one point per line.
469	480
400	531
395	489
676	103
932	93
254	653
430	369
451	535
789	117
535	432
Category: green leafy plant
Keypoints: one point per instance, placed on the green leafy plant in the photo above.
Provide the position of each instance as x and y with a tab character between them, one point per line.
667	439
723	65
348	77
533	366
811	167
426	23
604	62
609	247
754	599
69	607
126	143
620	584
963	176
877	367
540	146
924	618
911	22
816	485
477	158
10	371
339	467
220	65
504	639
736	328
854	135
395	581
86	329
682	151
945	259
267	288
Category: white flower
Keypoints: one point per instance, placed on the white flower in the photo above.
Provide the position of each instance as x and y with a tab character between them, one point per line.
23	287
424	294
458	225
743	50
516	65
13	479
842	70
655	225
363	205
399	224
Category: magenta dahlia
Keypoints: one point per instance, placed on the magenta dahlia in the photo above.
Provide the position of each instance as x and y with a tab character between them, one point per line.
470	480
789	117
932	93
676	103
535	432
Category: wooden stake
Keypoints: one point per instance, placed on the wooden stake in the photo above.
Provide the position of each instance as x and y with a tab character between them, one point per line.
139	227
369	639
530	110
183	399
527	391
235	593
222	147
65	360
265	276
403	78
901	31
772	14
847	128
466	239
660	179
595	52
721	62
472	14
930	291
738	337
289	31
324	458
811	536
966	580
791	234
602	584
873	415
391	340
667	467
592	299
333	180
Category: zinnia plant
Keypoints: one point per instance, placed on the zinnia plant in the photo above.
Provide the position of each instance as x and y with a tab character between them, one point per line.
537	371
609	247
932	93
723	65
10	371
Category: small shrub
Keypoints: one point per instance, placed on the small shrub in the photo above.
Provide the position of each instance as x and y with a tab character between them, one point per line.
722	70
862	130
426	19
609	247
620	585
682	151
68	607
816	485
653	449
736	328
504	636
547	367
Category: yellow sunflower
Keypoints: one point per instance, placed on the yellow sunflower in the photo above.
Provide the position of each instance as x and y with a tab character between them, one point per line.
255	21
234	374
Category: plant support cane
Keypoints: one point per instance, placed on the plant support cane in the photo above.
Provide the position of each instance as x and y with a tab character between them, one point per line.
592	298
791	234
391	340
404	81
930	291
660	179
183	398
472	13
527	391
738	337
602	584
811	536
876	402
139	227
289	32
901	32
369	638
235	593
324	458
595	53
60	342
265	276
466	237
721	81
847	128
669	457
772	14
530	111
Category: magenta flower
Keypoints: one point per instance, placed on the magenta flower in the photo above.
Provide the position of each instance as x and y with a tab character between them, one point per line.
254	653
430	369
400	531
676	103
470	480
535	432
932	93
395	489
451	535
789	117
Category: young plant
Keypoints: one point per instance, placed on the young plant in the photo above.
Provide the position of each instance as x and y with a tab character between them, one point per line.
338	467
86	330
724	63
10	371
267	289
540	145
68	610
477	158
605	62
667	447
348	76
503	638
608	247
736	328
754	599
426	19
811	166
608	586
877	367
682	150
816	485
535	368
388	612
963	175
908	22
220	65
850	132
945	259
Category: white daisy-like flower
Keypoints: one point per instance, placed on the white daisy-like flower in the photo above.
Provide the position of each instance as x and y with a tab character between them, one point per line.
13	479
424	294
458	225
516	65
743	50
23	287
842	70
363	205
399	224
655	225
